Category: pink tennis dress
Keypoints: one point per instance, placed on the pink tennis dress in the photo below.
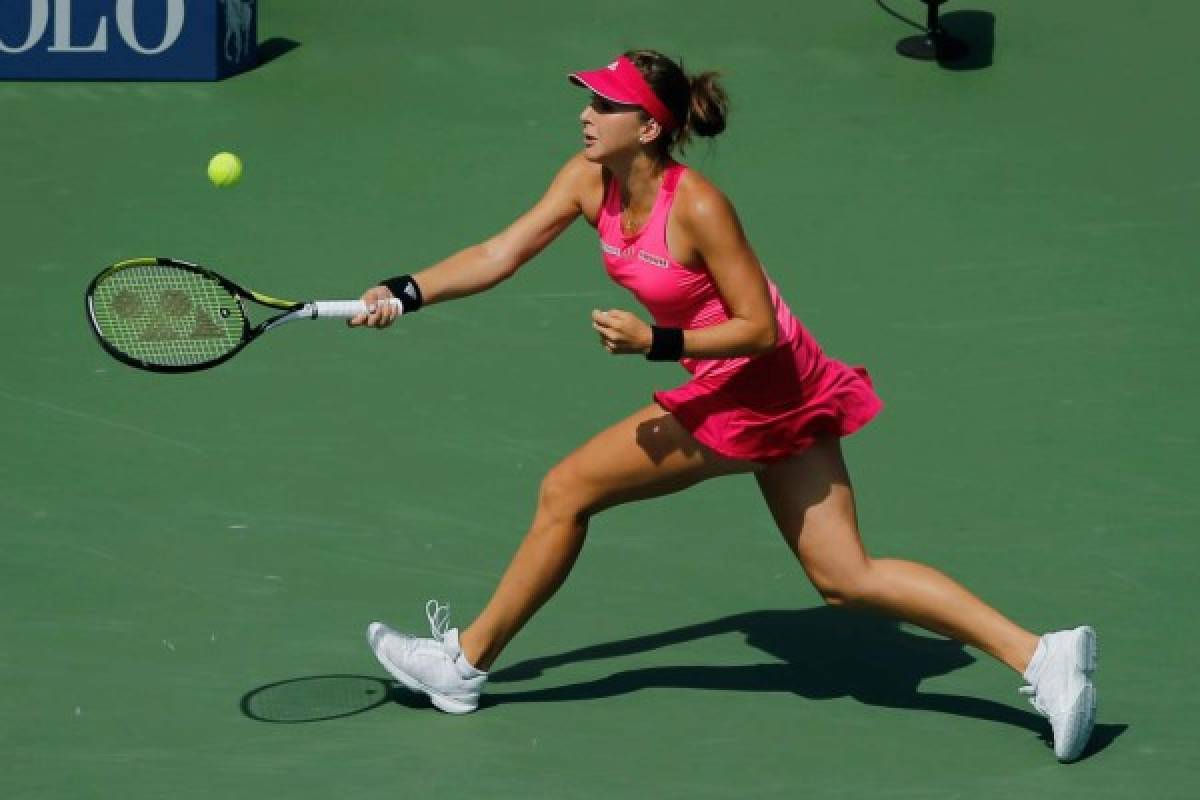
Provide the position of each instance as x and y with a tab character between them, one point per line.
764	408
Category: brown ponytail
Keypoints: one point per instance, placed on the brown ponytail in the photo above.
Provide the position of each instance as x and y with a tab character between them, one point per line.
699	101
709	107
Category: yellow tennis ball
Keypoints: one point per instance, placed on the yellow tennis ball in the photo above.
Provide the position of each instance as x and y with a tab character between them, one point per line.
224	169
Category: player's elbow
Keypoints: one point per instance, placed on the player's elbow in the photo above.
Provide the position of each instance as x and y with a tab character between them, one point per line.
766	336
501	263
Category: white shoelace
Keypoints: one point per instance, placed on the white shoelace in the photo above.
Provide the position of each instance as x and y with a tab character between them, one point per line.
439	619
439	622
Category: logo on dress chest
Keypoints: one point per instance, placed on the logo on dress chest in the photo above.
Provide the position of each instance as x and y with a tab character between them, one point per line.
633	251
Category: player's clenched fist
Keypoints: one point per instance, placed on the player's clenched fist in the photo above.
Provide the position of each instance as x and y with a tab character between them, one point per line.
621	332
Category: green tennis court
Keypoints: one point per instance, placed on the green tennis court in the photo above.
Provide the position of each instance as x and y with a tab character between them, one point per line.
190	561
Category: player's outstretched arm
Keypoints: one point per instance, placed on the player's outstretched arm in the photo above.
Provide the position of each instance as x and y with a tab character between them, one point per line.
482	266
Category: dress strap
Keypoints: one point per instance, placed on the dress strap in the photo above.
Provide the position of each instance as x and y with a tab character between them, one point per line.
671	178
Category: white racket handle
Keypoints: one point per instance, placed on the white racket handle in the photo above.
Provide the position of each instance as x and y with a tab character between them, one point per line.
346	309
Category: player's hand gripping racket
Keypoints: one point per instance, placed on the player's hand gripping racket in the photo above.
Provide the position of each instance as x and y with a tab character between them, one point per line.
165	315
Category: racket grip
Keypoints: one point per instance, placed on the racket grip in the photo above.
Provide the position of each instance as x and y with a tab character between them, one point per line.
346	309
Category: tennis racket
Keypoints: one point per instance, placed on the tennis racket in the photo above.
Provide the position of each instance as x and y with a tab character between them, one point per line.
164	315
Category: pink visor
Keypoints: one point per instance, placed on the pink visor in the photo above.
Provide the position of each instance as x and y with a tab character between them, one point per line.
620	82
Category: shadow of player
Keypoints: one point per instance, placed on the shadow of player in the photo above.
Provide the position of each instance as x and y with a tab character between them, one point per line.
818	653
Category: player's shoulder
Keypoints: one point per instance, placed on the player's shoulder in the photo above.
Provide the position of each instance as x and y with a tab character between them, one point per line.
699	201
578	181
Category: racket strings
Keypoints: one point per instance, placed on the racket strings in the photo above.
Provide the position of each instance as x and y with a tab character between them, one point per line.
167	316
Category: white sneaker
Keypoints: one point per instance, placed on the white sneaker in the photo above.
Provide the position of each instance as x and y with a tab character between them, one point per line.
434	666
1060	687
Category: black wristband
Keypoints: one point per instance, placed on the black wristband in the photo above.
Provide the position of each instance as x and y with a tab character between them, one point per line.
405	289
666	344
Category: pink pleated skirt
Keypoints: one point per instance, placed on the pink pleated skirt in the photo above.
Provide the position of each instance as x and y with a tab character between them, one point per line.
774	406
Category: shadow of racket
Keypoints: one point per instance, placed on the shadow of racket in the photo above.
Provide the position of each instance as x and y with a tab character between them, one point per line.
318	698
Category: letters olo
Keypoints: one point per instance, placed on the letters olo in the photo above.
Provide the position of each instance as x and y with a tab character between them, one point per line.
39	21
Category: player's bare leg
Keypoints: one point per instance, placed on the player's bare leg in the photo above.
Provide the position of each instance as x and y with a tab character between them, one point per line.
812	501
646	455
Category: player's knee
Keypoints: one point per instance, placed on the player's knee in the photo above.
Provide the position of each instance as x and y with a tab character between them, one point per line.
833	593
562	494
844	587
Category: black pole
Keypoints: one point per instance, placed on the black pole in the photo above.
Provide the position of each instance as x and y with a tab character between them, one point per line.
935	43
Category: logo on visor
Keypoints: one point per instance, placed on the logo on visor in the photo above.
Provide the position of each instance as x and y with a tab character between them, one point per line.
612	67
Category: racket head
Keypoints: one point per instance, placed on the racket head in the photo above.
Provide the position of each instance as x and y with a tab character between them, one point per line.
164	315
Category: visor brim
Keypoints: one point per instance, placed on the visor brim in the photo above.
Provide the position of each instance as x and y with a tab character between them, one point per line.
603	83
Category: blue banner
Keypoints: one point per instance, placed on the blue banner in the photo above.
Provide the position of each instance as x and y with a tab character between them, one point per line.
156	40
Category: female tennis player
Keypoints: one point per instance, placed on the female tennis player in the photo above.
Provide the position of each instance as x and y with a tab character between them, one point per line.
763	398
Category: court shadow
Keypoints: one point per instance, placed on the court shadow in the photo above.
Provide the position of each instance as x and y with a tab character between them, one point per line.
317	698
272	49
976	29
819	653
